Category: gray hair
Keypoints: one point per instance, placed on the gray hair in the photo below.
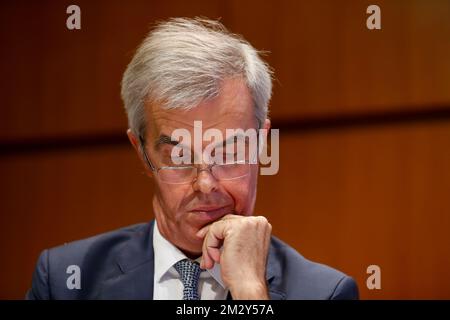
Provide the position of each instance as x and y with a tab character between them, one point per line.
183	62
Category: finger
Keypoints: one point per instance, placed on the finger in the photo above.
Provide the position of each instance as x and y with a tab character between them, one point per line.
206	261
202	232
231	216
212	243
214	253
214	240
216	234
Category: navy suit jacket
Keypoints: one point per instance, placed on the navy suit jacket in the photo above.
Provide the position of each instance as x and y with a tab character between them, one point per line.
119	265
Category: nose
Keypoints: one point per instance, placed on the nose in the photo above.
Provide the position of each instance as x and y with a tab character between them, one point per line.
205	181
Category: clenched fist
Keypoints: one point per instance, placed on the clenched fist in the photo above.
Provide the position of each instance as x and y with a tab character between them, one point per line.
240	244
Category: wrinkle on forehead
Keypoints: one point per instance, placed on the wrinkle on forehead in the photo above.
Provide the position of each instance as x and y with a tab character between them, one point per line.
232	108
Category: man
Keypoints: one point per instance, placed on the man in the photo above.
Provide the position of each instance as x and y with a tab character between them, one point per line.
205	242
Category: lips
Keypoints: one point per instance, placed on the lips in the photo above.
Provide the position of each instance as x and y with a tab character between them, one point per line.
207	208
208	214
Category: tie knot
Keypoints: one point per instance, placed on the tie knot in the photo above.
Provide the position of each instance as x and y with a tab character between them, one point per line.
190	273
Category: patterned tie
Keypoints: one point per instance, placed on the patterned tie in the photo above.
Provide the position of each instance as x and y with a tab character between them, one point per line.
190	273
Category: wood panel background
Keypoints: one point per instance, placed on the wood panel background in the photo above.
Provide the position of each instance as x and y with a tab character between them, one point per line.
364	118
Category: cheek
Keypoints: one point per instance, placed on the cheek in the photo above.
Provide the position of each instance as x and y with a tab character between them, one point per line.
172	196
243	192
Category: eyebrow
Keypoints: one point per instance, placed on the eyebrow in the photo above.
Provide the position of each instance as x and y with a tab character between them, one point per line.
165	139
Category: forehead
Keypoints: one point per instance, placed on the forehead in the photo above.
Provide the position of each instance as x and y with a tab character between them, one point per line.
231	109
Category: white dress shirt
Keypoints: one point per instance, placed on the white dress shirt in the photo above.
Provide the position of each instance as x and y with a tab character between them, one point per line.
167	283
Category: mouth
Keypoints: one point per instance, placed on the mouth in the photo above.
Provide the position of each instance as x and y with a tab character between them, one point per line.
208	214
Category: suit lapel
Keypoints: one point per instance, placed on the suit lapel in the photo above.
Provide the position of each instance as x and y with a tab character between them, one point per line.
273	272
136	269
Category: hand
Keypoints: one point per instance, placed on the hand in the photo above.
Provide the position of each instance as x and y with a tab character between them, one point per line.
240	244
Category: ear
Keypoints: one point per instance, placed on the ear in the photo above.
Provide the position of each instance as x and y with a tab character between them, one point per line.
137	147
266	127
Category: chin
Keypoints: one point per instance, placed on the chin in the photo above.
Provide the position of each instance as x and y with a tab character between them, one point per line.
191	246
193	252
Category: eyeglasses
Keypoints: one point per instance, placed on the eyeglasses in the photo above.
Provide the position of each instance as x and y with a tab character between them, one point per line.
185	174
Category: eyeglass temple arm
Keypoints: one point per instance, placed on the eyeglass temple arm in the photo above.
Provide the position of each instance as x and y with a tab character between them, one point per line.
142	142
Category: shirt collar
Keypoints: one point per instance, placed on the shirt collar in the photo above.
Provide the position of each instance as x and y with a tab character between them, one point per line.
166	255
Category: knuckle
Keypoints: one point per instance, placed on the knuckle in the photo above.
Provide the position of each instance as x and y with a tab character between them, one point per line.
262	220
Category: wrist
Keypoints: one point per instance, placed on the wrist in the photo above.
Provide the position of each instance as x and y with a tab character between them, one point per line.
250	290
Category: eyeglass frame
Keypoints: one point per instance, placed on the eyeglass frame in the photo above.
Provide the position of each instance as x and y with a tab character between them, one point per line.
208	167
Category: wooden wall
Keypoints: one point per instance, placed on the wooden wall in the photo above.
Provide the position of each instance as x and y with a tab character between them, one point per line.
364	118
